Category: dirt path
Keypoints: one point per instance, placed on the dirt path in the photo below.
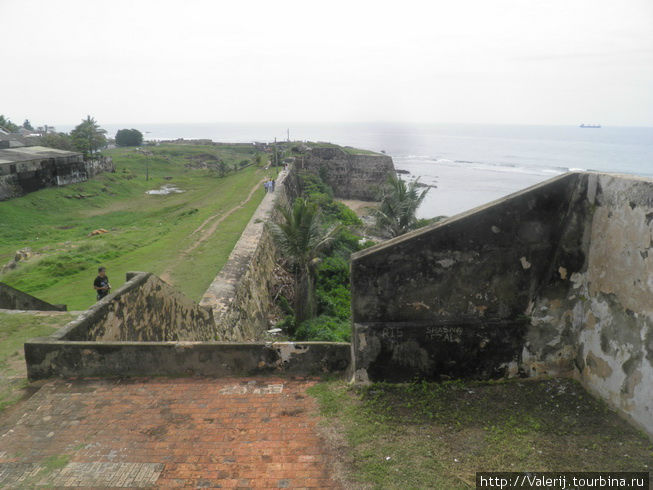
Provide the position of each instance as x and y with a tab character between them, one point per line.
206	230
361	208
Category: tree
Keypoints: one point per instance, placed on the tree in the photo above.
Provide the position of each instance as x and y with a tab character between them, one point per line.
88	137
61	141
301	238
259	159
399	203
129	137
222	168
6	123
27	125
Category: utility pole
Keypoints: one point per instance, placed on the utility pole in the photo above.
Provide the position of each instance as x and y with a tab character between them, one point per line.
276	158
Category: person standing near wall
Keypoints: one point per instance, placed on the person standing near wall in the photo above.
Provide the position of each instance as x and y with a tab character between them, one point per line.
101	283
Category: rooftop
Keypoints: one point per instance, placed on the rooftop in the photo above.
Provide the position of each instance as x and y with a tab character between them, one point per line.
27	153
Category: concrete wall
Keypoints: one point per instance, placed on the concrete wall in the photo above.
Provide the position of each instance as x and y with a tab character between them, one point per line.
240	295
596	323
553	280
144	309
459	289
47	357
14	299
352	176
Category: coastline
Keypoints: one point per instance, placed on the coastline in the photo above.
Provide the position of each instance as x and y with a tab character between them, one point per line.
459	188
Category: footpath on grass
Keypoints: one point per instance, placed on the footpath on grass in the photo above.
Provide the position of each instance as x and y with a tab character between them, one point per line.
242	432
206	231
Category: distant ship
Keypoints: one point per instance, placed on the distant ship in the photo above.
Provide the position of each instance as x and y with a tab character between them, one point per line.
590	126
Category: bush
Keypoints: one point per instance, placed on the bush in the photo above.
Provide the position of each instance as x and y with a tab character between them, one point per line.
334	302
324	328
333	272
129	137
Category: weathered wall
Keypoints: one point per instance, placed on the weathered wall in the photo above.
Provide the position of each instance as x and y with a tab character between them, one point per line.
596	323
23	177
47	357
145	308
554	280
14	299
352	176
460	289
240	295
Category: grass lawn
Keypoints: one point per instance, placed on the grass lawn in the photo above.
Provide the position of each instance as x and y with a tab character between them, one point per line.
15	329
145	232
430	435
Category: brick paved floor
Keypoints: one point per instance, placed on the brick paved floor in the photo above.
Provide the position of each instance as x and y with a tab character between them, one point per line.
247	433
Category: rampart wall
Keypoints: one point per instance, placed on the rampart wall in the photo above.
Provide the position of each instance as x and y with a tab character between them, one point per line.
351	175
145	308
241	294
552	280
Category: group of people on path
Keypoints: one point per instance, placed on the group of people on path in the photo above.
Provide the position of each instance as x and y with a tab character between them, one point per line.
268	185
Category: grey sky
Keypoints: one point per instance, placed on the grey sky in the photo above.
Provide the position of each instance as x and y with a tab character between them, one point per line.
499	61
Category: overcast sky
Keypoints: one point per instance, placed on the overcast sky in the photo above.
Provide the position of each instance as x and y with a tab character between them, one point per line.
466	61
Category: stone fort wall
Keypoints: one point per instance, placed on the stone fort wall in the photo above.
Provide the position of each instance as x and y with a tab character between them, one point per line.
144	309
241	294
553	280
351	175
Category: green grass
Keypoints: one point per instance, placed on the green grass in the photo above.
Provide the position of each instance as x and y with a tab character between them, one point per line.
15	329
145	232
430	435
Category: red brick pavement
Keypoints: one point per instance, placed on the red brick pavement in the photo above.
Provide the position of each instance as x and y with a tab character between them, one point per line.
231	433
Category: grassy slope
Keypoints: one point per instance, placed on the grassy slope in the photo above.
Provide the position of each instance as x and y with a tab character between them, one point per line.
146	232
15	329
430	435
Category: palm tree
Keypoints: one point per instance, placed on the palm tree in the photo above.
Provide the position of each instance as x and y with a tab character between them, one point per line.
300	239
399	203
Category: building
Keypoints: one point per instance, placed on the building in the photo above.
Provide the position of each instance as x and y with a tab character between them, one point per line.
29	168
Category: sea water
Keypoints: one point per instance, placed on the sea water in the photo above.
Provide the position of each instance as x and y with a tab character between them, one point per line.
471	164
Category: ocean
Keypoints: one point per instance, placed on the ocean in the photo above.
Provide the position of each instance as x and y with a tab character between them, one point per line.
470	164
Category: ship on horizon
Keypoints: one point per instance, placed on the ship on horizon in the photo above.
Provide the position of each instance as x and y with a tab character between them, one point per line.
590	126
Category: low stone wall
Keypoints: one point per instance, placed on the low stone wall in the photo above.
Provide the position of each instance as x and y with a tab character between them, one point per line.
14	299
98	165
240	295
47	357
145	308
352	176
553	280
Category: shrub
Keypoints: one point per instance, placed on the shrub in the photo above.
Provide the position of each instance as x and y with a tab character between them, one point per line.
129	137
324	328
